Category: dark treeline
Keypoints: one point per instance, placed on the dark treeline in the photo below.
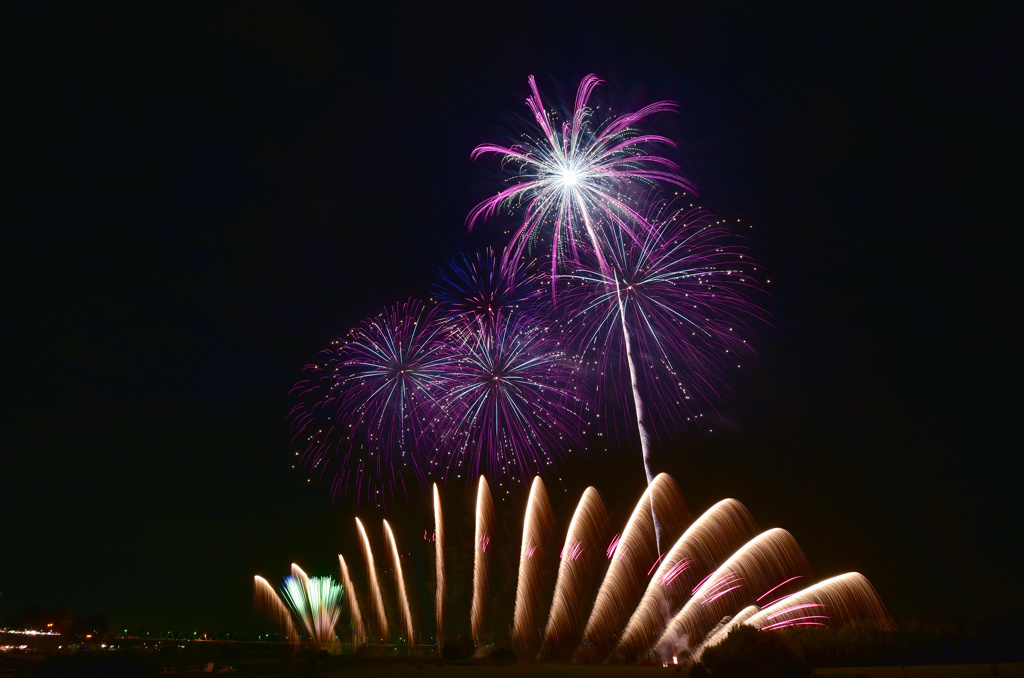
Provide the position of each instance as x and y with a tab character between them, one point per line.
795	652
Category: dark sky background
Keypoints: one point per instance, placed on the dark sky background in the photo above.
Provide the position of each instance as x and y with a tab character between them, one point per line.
198	199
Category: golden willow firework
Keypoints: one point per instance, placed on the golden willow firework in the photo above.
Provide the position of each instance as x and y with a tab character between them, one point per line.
582	559
358	627
481	540
632	562
538	527
755	570
716	534
266	600
668	607
440	593
371	576
403	598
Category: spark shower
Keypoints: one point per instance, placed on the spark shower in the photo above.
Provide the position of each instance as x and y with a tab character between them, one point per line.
594	595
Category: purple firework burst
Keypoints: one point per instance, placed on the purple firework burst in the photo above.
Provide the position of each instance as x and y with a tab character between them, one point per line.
482	288
366	414
575	176
679	300
514	406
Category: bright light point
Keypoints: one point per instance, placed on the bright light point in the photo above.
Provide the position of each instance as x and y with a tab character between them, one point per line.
568	176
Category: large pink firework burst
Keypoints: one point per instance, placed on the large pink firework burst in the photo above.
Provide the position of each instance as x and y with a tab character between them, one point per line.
574	177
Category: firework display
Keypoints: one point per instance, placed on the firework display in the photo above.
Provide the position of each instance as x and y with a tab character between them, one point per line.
578	178
631	563
668	316
371	575
633	304
442	585
614	291
482	288
650	606
403	598
580	563
513	406
358	628
538	526
481	540
363	412
314	602
716	534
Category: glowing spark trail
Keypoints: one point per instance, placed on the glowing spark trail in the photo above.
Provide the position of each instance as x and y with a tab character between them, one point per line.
722	630
712	538
403	599
626	578
538	526
843	599
371	576
760	564
439	560
358	628
649	606
484	530
267	600
581	558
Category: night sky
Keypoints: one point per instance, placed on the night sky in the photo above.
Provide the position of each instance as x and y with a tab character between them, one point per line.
197	200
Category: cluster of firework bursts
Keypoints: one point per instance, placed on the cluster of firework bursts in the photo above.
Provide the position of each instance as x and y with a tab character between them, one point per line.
607	296
614	295
615	597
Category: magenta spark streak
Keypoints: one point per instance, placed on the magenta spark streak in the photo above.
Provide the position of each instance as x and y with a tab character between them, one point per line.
777	586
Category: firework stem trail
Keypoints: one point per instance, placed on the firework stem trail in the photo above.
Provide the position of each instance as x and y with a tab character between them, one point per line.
582	555
403	598
710	540
441	592
538	527
266	599
632	562
358	628
638	405
371	576
638	402
482	538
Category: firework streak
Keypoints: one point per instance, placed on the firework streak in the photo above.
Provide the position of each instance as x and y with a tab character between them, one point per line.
371	576
482	539
439	567
581	559
403	598
631	565
266	600
538	527
663	607
358	628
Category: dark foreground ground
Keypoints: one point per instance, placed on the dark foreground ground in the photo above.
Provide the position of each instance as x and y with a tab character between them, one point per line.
302	668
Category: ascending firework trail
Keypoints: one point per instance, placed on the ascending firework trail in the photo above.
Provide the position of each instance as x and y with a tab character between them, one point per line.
582	182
